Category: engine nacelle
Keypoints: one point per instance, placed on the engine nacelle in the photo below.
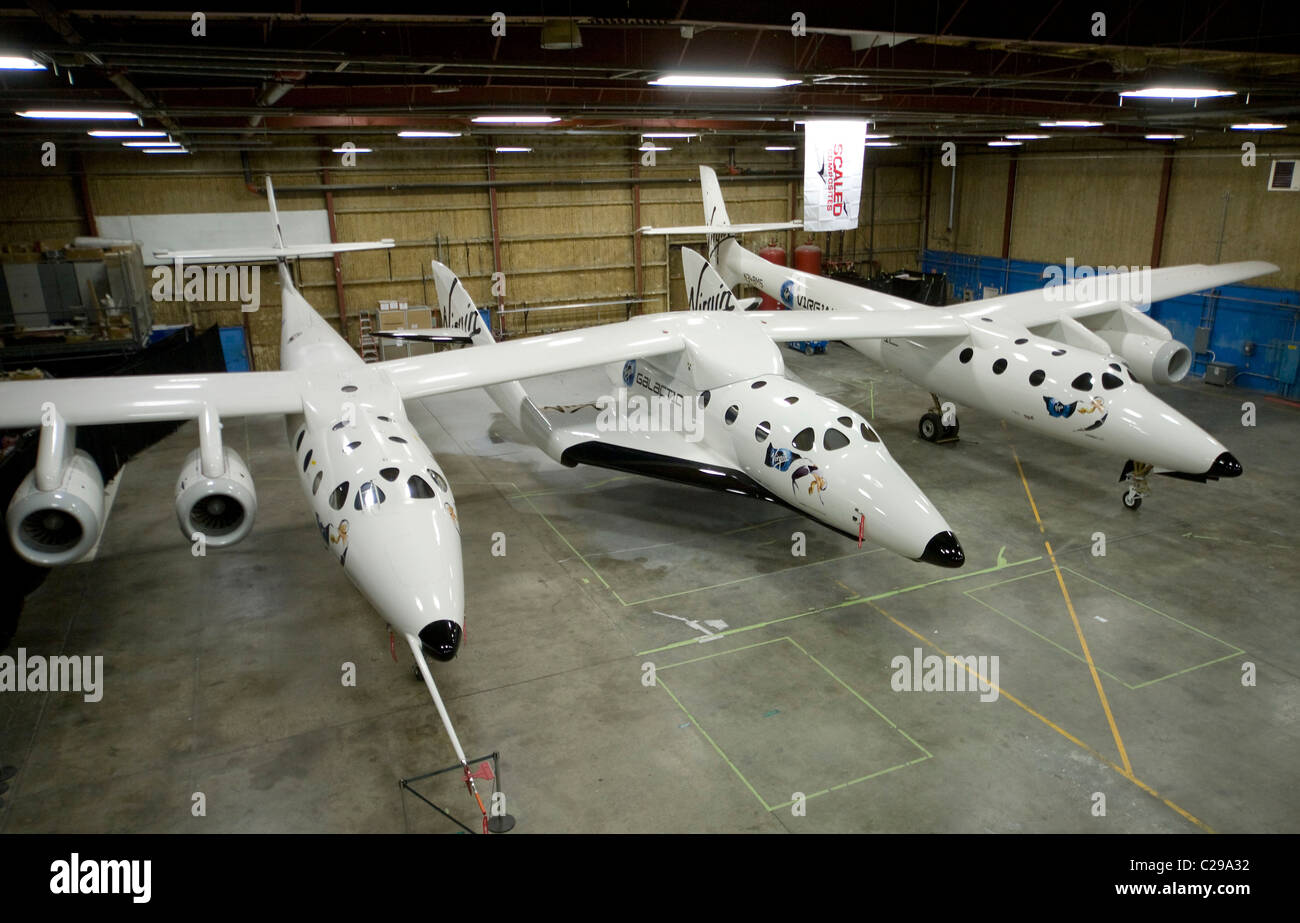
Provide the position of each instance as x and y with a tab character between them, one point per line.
53	527
1163	361
223	507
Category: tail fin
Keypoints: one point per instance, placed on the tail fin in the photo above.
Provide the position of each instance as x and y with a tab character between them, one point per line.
705	289
458	309
275	212
715	215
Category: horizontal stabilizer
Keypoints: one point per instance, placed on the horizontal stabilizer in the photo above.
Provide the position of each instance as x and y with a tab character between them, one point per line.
428	335
722	228
268	254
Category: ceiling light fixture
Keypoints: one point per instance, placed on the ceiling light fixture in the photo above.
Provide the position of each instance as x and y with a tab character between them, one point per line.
1070	123
1027	137
1005	143
882	144
1176	93
19	63
109	133
779	147
155	143
514	150
1164	137
1258	126
83	114
670	134
729	81
165	150
428	134
516	119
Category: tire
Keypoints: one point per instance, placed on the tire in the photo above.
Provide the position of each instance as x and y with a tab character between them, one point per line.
1131	504
930	427
950	432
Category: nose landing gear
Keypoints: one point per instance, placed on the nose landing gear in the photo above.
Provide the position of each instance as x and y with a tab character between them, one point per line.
932	428
1136	473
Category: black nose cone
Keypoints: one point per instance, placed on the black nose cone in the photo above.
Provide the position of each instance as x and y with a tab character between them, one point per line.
440	639
1225	466
943	550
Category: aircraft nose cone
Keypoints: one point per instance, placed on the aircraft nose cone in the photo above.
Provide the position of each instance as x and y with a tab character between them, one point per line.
943	550
1225	466
441	639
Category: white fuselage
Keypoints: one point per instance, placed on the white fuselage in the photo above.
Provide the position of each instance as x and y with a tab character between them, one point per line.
381	503
1078	395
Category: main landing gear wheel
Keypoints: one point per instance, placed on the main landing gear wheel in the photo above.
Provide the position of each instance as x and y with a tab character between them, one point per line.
1132	499
930	427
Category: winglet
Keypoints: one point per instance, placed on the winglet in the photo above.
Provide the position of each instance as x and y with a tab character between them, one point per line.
275	213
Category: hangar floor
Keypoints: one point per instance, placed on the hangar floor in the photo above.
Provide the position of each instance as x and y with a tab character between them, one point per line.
222	673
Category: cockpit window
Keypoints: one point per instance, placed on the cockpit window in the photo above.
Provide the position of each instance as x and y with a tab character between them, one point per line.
845	421
804	440
732	412
1111	382
1083	382
762	430
339	496
417	488
833	439
1115	366
438	479
368	495
868	433
389	474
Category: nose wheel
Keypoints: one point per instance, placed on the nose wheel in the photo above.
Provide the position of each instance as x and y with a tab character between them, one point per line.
1136	473
931	427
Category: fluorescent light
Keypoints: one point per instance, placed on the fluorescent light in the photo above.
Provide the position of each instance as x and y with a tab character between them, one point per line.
151	144
105	133
722	80
882	144
670	134
164	150
653	147
514	150
516	119
76	114
19	63
1027	137
1176	93
353	150
1258	126
1005	143
871	137
779	147
1164	137
428	134
1070	123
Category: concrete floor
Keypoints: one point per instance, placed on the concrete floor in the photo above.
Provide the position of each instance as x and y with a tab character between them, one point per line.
223	672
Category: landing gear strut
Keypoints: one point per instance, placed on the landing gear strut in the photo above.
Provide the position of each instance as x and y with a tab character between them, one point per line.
931	427
1136	473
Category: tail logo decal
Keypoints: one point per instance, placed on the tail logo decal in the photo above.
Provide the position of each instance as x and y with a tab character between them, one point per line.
787	292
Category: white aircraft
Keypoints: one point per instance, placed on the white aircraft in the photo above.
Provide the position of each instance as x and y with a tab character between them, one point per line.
1067	362
719	412
381	503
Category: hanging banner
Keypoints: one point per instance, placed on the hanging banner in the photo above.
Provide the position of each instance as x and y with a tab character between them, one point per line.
832	173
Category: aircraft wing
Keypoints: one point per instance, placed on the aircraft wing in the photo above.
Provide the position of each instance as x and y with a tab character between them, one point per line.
1098	294
787	326
756	228
268	254
149	398
445	372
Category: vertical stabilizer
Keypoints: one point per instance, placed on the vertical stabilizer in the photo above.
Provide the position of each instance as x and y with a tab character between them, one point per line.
715	215
275	212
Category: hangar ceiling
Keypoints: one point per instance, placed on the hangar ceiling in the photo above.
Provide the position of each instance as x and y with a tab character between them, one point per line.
921	72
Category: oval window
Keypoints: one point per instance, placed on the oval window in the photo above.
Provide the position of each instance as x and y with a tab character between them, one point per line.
417	488
368	496
834	440
762	431
732	412
298	445
339	496
868	433
1083	382
315	484
351	447
1036	377
348	389
966	355
999	367
339	425
792	400
389	474
704	399
1022	341
804	440
306	460
758	384
385	419
398	439
1111	382
438	479
1058	352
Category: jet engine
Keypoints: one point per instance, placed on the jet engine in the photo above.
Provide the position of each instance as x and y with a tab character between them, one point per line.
53	527
222	507
1163	361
